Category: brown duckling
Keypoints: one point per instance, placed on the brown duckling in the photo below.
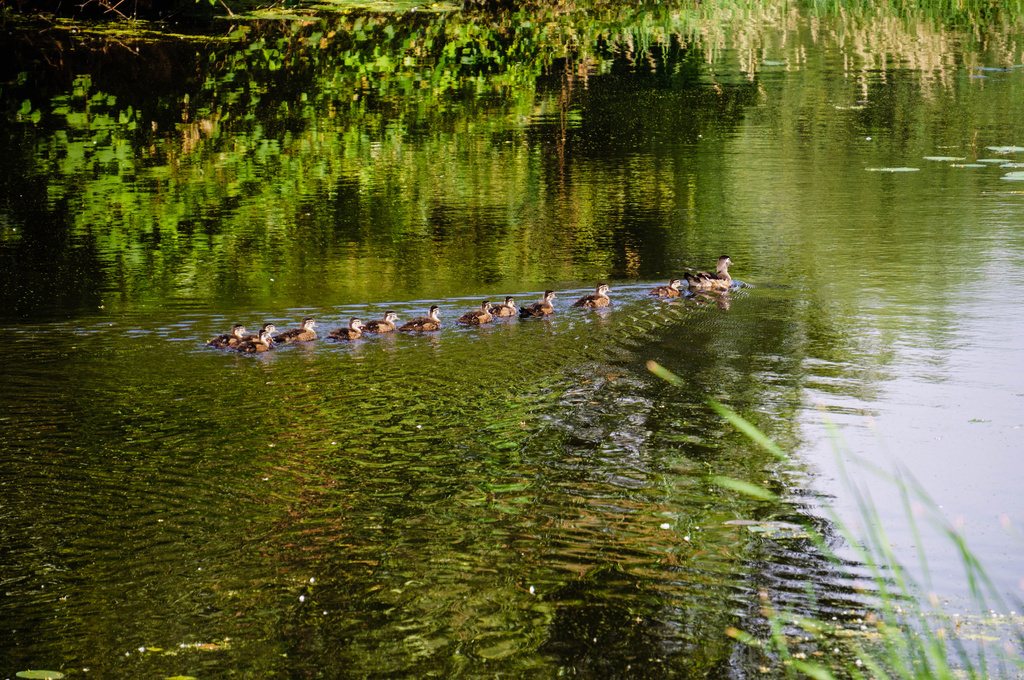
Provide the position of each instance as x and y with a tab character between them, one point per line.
542	308
304	333
263	343
231	339
720	280
599	298
431	322
475	317
383	325
507	309
669	291
354	331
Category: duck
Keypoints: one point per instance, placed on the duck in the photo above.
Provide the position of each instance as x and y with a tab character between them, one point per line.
304	333
475	317
354	331
230	340
720	280
262	343
431	322
542	308
669	291
508	308
599	298
382	325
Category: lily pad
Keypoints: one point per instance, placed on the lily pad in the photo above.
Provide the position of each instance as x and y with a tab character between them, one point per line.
943	158
1014	176
40	675
893	169
1012	165
1006	149
991	160
969	165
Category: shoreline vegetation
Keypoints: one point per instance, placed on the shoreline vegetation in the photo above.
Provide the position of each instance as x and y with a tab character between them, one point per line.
905	631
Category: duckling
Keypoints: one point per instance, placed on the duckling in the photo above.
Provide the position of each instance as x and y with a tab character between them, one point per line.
542	308
720	280
669	291
431	322
384	325
507	309
304	333
231	339
354	331
475	317
599	298
263	343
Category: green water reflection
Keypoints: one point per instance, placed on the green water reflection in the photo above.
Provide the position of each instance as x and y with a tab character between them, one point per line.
519	499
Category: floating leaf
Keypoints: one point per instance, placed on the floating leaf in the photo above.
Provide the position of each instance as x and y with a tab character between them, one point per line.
943	158
40	675
968	165
893	169
1014	176
1012	165
990	160
1005	149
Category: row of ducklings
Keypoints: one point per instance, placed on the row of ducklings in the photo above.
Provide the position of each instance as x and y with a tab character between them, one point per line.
239	339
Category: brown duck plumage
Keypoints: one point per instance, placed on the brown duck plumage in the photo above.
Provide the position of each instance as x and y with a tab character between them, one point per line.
720	280
507	309
599	298
304	333
669	291
431	322
476	317
383	325
542	308
353	331
263	343
231	339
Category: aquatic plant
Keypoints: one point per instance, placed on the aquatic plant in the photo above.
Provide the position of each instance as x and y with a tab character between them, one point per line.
907	633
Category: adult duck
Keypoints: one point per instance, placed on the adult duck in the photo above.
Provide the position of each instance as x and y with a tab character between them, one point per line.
352	332
228	340
262	343
431	322
382	325
475	317
304	333
720	280
599	298
542	308
669	291
508	308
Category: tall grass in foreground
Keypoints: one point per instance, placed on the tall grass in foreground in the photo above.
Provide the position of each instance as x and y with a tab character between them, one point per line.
913	640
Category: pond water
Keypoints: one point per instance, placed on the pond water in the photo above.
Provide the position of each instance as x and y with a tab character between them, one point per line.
523	498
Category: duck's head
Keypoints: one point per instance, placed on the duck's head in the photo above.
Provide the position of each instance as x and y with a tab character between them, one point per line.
355	323
268	328
390	316
603	289
724	261
549	295
308	322
238	330
267	335
435	312
485	305
675	284
510	301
